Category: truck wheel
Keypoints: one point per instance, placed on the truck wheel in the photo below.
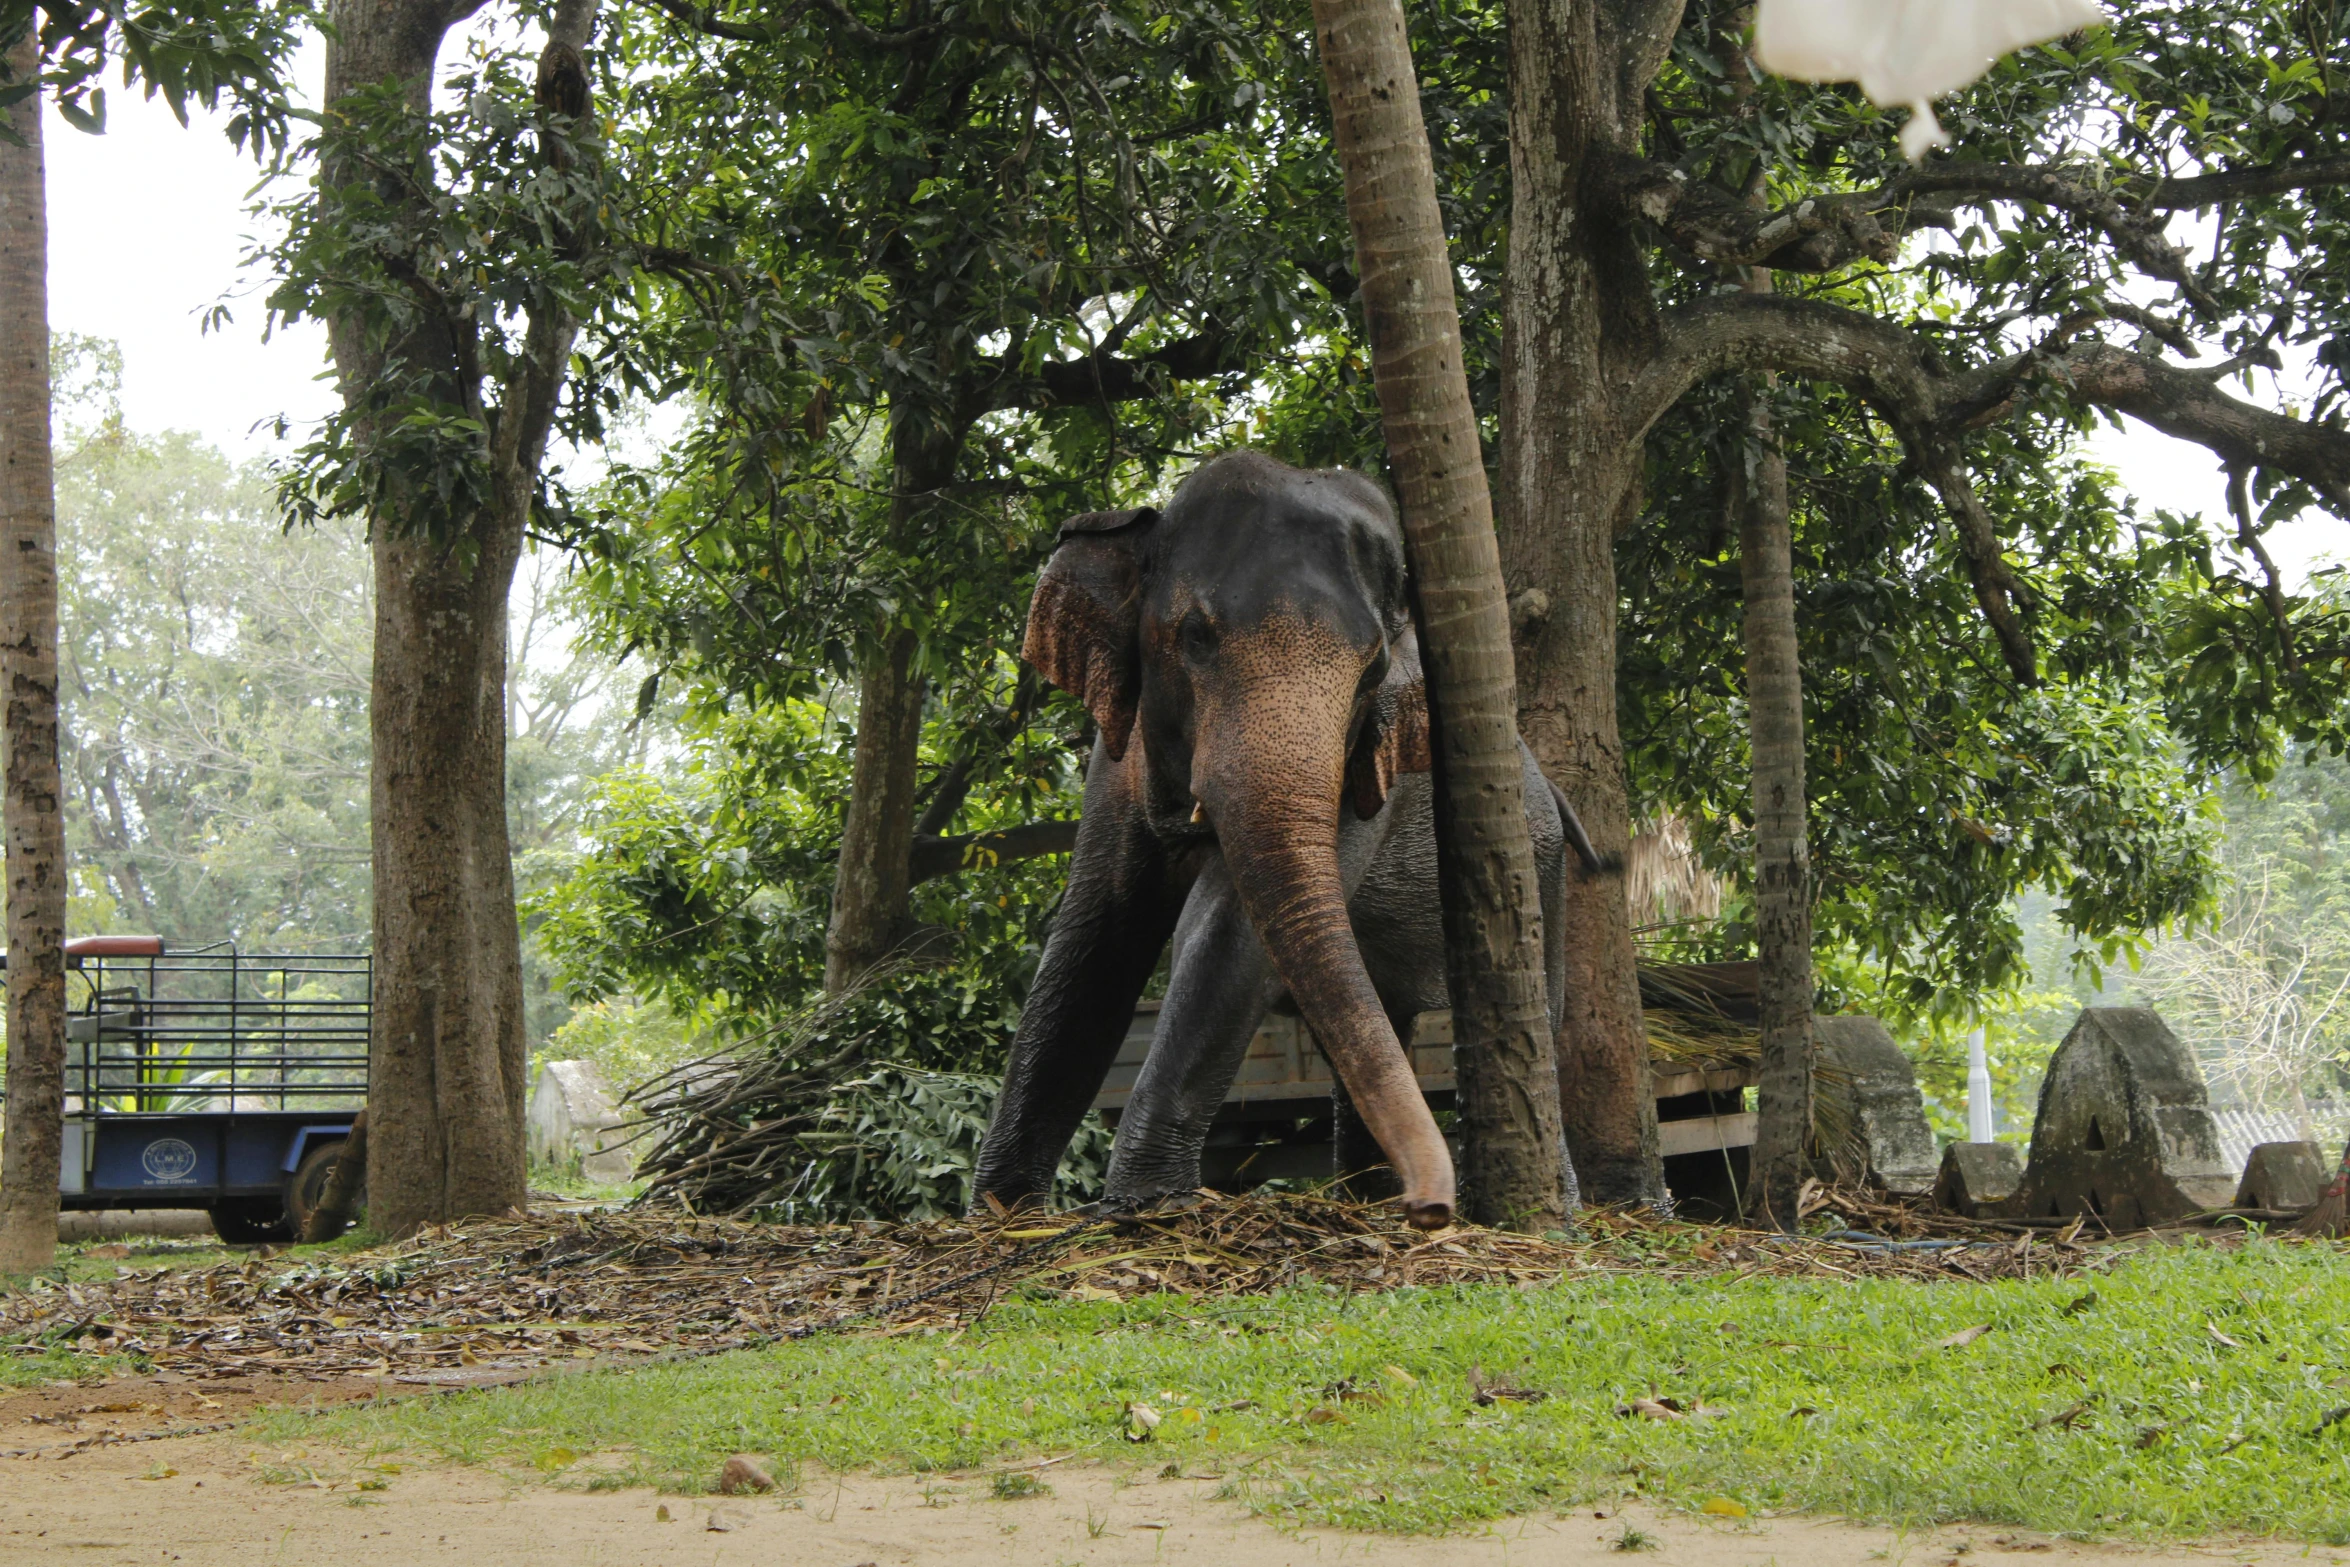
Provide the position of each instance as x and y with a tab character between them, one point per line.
251	1221
307	1185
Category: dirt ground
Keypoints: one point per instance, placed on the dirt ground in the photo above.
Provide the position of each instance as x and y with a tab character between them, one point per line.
219	1499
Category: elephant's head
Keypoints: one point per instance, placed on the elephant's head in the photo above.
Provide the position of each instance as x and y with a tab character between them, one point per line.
1254	639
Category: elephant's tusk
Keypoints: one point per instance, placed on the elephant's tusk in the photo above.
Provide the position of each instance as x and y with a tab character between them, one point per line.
1199	813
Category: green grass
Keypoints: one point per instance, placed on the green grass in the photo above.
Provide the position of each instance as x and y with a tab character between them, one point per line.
55	1364
2127	1415
569	1180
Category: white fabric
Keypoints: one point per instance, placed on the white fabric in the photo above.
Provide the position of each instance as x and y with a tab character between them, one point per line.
1907	51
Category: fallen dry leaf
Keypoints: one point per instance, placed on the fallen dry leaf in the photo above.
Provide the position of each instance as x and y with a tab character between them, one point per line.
1964	1336
2067	1417
1485	1394
1723	1507
1653	1409
2218	1337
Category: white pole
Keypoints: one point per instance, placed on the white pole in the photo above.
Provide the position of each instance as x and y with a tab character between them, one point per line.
1979	1126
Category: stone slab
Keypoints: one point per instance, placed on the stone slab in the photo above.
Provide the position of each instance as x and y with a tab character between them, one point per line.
2282	1175
2124	1132
1976	1180
1879	1088
571	1116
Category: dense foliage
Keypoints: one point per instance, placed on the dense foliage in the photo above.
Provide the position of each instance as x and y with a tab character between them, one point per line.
757	555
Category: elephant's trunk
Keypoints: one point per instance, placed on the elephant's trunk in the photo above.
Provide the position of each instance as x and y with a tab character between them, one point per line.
1279	834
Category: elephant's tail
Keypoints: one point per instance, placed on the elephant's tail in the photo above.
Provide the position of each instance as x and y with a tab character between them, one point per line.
1594	863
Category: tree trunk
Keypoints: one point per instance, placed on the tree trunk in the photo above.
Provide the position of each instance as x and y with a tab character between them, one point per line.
875	875
447	1086
1577	316
447	1059
1516	1171
1782	857
869	890
33	818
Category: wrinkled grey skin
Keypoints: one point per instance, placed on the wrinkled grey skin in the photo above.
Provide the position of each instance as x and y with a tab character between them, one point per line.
1281	561
1221	984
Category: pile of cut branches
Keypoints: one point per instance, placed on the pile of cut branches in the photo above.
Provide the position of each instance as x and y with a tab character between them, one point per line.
758	1132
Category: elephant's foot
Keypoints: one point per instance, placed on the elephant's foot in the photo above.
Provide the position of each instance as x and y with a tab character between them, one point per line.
1129	1204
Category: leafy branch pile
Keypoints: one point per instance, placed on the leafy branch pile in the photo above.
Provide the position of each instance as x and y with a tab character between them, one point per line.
800	1140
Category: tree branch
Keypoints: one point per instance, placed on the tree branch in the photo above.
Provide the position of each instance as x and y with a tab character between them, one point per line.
2272	591
1996	588
1896	371
1823	233
1099	378
936	857
2209	190
1817	234
705	19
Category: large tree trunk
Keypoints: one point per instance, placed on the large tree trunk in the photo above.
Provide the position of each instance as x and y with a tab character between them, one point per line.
32	817
446	1095
1515	1171
1782	857
1578	313
447	1063
875	875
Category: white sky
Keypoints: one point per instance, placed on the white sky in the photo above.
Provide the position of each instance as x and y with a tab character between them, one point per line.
148	228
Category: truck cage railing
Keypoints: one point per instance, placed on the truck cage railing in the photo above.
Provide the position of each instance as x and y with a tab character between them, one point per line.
213	1030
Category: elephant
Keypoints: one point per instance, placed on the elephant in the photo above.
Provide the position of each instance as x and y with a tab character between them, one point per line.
1258	791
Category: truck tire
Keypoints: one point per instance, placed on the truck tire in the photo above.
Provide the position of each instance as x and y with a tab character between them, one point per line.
307	1185
251	1221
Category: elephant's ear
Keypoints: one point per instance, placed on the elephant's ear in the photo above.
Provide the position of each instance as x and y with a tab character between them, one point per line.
1395	731
1084	625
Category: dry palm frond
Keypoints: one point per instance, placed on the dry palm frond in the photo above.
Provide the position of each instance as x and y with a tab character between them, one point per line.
1663	882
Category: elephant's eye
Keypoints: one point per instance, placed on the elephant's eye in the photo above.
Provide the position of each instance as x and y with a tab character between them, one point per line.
1198	637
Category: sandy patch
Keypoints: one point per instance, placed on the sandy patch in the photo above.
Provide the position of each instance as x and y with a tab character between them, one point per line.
206	1501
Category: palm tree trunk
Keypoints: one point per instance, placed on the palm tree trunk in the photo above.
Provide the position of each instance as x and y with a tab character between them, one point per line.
31	817
1516	1170
1782	857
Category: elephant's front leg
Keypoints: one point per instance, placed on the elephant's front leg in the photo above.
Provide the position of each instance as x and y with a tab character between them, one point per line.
1218	988
1122	901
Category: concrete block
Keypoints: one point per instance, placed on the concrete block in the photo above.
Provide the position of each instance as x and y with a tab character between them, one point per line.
1878	1087
2282	1175
571	1116
2124	1132
1977	1179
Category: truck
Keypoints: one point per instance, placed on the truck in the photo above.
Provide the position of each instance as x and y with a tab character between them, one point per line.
210	1079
